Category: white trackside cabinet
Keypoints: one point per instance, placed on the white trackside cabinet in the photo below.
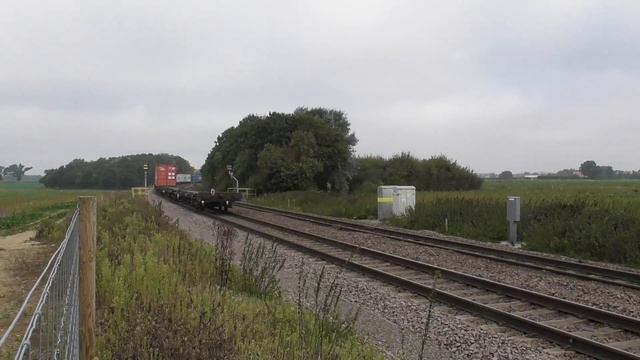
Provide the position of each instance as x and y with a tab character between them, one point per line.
395	200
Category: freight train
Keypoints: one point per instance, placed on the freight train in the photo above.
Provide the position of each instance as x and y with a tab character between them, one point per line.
166	185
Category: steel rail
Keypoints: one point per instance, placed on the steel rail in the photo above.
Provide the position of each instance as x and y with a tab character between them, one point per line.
560	337
583	271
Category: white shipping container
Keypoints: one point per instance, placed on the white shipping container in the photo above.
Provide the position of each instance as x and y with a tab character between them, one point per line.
183	178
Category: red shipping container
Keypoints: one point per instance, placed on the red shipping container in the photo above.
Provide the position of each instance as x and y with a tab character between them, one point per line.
165	175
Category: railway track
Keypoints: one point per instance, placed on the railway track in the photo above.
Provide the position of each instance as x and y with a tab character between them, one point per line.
588	330
591	331
565	267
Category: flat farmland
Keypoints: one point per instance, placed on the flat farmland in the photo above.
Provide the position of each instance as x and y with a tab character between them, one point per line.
548	189
22	205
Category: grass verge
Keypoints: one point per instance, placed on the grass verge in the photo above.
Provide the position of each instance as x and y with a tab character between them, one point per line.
163	295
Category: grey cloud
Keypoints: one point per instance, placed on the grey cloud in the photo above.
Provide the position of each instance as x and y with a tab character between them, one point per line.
497	84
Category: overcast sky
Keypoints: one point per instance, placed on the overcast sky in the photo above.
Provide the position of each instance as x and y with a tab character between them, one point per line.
519	85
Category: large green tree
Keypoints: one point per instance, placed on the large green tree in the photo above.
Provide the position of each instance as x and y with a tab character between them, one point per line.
589	169
16	170
120	172
594	171
309	148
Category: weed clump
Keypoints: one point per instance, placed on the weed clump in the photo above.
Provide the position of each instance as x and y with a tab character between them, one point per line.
321	330
259	266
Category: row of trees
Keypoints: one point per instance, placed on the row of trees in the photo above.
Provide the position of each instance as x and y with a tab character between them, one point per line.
16	170
437	173
588	169
313	149
304	150
592	170
111	173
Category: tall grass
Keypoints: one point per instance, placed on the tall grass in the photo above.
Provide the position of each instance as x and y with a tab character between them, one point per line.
595	220
353	206
163	295
585	228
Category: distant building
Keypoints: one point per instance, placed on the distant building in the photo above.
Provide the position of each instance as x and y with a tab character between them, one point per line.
488	175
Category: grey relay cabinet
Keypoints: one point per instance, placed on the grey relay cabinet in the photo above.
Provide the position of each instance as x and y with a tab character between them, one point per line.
395	200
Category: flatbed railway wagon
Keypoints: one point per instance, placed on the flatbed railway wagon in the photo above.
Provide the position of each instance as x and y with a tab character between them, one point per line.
166	185
222	201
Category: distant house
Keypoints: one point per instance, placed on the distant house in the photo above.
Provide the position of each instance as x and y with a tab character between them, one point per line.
531	176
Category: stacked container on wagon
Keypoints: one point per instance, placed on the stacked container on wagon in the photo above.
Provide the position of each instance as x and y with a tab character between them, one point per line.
165	176
166	185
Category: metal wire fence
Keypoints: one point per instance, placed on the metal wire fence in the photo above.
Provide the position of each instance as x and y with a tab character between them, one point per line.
53	331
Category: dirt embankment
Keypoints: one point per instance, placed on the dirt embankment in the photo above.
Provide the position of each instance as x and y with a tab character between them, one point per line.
21	261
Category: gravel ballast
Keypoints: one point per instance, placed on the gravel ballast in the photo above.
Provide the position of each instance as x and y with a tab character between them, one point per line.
390	317
618	299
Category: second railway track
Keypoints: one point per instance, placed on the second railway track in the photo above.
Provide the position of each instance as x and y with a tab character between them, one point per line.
584	271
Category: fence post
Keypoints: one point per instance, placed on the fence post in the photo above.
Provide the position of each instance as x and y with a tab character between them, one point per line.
87	281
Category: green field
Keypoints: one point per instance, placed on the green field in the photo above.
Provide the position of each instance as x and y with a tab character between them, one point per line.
24	204
597	220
